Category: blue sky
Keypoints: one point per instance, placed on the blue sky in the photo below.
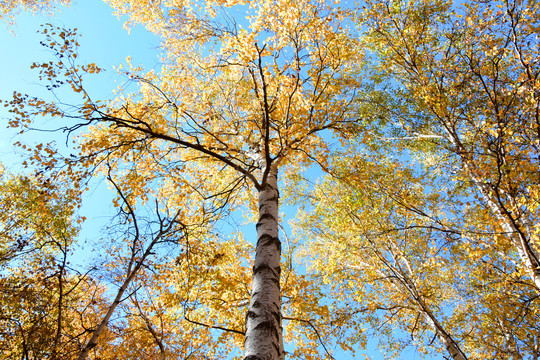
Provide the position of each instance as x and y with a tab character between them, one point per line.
104	42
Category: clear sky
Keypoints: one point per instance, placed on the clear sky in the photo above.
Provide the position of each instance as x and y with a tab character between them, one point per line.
104	42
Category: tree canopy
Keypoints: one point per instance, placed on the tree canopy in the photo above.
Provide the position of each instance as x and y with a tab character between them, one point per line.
422	231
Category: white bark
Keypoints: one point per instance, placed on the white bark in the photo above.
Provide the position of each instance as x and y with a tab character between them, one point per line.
452	347
530	257
403	278
446	339
510	341
407	280
263	339
528	254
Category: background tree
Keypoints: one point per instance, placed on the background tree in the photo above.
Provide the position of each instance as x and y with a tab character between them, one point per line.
45	301
470	75
397	251
390	266
455	103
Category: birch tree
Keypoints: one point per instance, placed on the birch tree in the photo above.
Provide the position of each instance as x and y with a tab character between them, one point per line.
455	103
244	94
402	254
470	74
392	268
45	301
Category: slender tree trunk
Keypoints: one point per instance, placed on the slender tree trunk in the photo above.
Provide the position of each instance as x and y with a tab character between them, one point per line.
530	256
263	339
407	281
510	341
453	348
103	324
130	275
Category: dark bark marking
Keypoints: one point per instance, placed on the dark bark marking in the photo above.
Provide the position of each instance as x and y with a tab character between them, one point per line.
262	267
265	240
251	314
274	198
265	216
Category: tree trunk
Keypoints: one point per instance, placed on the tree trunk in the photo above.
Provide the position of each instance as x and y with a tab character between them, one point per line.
453	348
263	339
451	345
129	277
530	256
